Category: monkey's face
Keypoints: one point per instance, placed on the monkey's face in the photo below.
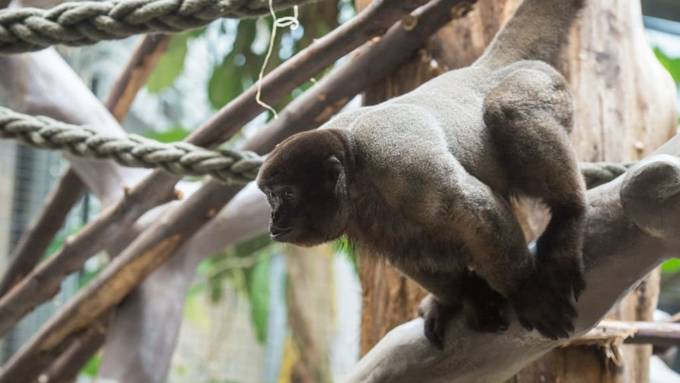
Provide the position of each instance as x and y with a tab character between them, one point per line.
304	181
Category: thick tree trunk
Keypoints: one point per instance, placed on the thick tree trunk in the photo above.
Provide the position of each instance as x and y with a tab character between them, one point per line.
624	109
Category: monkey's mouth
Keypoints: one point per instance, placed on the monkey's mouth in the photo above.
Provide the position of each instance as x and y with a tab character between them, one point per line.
280	234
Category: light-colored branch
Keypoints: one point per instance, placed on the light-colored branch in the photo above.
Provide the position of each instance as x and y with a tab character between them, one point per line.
613	331
633	223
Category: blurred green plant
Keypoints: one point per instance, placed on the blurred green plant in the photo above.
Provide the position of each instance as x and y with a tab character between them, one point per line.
246	266
672	64
172	134
343	247
258	289
671	266
171	64
91	368
59	240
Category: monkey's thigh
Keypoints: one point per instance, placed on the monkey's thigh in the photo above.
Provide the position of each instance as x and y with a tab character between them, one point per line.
528	116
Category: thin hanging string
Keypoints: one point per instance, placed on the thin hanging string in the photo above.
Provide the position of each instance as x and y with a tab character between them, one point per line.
283	22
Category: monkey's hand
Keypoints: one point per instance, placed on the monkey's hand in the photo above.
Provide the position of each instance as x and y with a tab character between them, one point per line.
542	305
436	315
484	309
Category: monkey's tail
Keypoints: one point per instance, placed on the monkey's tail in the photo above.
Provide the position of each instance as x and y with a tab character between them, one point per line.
537	31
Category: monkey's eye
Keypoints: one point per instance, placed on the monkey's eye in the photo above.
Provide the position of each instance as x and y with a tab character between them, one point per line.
287	193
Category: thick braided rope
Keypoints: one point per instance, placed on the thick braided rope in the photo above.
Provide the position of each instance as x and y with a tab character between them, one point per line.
180	158
86	22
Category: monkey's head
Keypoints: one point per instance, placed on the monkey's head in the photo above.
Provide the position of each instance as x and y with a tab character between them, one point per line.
305	181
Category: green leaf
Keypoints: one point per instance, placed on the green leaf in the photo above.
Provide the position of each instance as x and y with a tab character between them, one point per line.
258	289
85	276
60	239
671	266
170	65
672	64
174	134
198	32
91	368
225	83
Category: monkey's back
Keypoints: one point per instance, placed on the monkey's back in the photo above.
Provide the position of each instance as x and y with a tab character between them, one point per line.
453	104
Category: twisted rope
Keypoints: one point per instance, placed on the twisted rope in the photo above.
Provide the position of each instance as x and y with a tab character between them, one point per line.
598	173
86	22
179	158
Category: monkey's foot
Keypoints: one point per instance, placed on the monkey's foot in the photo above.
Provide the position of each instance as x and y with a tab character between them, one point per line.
541	306
485	310
436	316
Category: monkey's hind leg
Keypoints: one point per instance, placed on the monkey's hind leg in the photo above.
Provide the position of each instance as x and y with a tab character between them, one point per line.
529	116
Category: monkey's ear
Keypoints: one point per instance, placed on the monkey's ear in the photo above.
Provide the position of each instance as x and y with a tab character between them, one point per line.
333	168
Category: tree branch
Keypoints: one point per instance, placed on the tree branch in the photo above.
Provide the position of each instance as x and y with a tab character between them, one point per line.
34	242
44	281
136	72
608	331
633	223
67	366
158	243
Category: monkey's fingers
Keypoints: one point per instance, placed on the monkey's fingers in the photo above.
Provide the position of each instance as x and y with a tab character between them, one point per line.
542	307
434	332
565	274
561	266
436	316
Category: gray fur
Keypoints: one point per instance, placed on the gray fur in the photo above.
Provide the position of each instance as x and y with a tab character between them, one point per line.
432	172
